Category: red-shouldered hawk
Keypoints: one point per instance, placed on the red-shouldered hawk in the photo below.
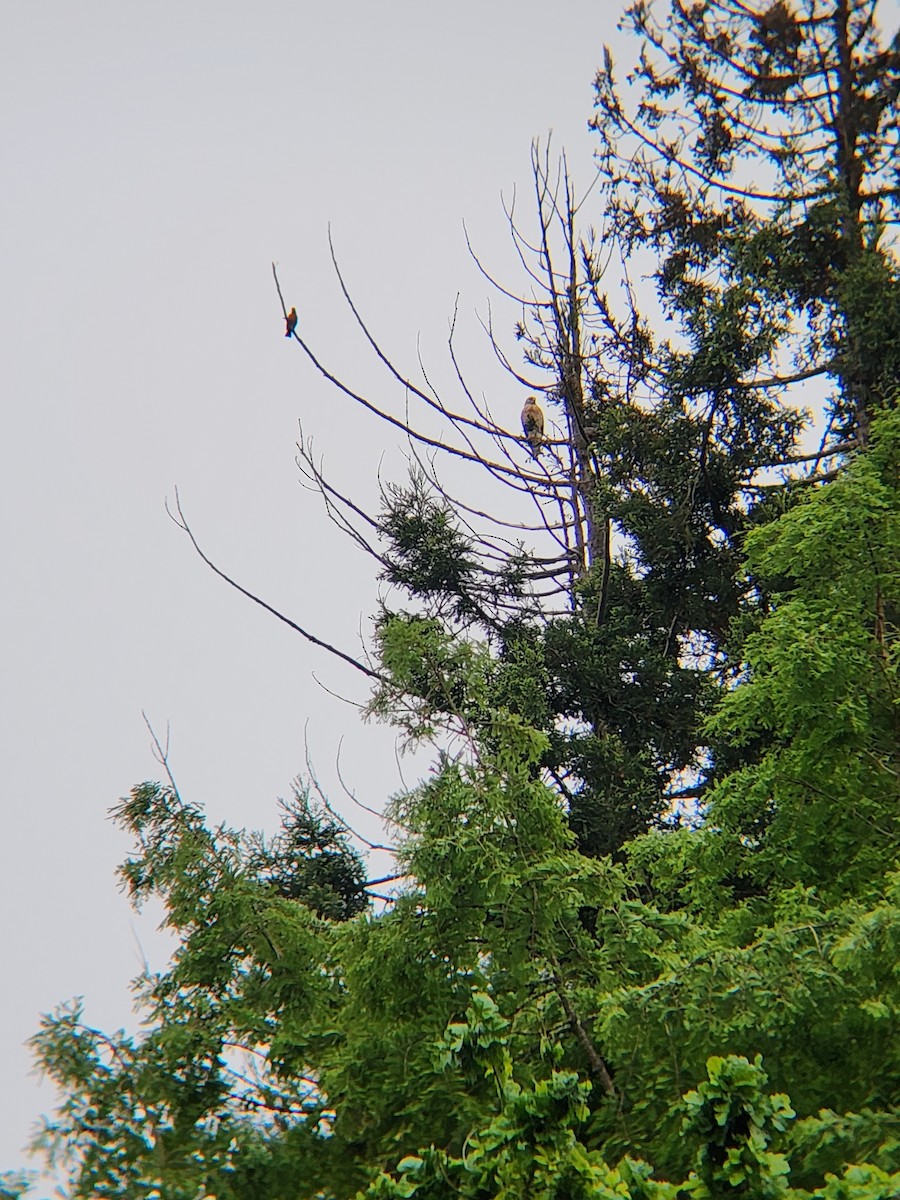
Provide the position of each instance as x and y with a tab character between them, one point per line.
290	322
533	425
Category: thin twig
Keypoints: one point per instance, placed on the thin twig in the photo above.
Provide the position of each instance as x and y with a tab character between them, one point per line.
182	524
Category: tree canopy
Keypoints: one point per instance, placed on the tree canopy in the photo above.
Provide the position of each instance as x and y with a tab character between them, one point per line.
645	924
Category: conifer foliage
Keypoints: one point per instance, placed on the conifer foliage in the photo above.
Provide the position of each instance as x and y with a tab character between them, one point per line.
571	992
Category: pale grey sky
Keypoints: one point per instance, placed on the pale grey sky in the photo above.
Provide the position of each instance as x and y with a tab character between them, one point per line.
158	157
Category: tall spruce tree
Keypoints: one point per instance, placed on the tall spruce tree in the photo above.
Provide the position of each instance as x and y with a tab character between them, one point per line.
754	178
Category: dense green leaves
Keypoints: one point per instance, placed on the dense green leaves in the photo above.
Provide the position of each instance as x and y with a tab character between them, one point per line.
819	807
645	935
525	1019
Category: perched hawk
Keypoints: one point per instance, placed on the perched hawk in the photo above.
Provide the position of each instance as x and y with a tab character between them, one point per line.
533	425
290	322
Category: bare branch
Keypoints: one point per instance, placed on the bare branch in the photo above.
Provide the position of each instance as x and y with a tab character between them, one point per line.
456	418
785	380
161	754
332	811
182	524
816	456
598	1066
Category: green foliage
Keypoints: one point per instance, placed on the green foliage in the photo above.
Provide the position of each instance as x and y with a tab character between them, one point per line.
431	677
310	860
523	1019
818	807
14	1184
572	994
428	555
790	276
819	1144
732	1118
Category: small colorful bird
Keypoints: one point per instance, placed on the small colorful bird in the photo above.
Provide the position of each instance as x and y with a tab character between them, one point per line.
533	425
290	322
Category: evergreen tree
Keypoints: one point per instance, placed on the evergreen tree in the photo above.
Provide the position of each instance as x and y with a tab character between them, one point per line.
754	178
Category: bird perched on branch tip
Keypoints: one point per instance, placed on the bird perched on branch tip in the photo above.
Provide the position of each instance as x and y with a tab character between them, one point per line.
290	322
533	425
